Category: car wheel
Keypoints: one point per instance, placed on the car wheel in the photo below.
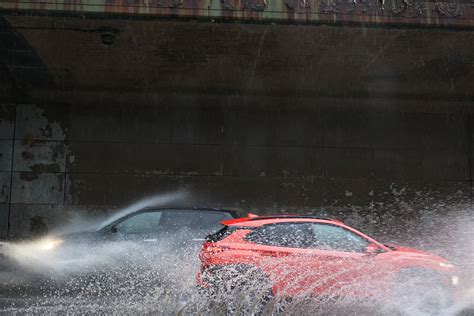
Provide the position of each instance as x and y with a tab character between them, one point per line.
419	291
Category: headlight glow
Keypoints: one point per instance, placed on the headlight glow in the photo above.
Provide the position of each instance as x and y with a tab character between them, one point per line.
455	280
49	244
446	265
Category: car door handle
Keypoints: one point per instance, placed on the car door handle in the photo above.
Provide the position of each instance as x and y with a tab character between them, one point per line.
150	240
269	253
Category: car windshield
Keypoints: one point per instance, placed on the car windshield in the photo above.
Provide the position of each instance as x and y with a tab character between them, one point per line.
172	222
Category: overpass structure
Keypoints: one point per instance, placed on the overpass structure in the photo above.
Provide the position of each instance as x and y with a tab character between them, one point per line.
254	104
380	12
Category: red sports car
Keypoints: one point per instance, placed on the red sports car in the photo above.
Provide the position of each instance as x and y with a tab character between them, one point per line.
289	255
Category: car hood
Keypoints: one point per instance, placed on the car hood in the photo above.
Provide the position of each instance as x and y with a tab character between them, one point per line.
417	253
408	249
86	235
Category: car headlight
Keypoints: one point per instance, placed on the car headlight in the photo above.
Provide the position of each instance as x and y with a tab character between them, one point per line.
49	244
446	265
455	280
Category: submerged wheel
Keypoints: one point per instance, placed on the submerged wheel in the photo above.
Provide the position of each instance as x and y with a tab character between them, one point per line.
244	289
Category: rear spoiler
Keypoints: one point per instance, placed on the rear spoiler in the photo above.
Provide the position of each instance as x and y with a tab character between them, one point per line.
249	217
228	222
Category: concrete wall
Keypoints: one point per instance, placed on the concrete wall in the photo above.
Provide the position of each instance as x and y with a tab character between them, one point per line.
249	153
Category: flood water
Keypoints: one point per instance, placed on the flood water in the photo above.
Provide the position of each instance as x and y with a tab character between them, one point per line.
127	278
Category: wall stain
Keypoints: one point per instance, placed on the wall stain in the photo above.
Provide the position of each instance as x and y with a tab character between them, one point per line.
37	226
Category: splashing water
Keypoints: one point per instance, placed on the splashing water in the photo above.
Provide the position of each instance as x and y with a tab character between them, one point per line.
124	277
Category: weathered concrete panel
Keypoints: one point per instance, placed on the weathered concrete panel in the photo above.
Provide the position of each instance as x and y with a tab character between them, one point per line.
446	164
347	163
95	189
196	159
198	126
396	130
261	193
398	164
297	195
343	192
115	189
3	220
146	124
230	58
348	128
180	159
247	161
7	121
38	188
39	156
446	131
4	187
248	127
41	122
33	220
298	128
6	148
295	161
282	161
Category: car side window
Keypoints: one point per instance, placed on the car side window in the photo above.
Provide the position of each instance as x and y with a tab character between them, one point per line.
199	223
293	235
330	237
142	223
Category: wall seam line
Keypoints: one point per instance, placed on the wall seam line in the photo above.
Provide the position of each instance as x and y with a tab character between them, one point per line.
11	173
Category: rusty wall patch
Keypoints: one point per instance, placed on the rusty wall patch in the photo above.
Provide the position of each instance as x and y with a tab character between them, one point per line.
255	5
27	176
41	123
447	9
292	5
38	226
392	12
228	5
405	8
166	3
176	3
410	8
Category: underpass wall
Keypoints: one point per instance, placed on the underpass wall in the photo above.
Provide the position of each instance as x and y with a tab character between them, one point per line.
60	161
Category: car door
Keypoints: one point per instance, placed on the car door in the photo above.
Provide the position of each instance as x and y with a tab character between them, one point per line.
338	261
306	258
281	254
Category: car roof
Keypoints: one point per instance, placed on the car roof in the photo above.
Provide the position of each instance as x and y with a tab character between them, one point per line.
122	216
257	221
161	209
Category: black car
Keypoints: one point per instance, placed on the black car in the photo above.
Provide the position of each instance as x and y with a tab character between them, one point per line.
153	226
138	238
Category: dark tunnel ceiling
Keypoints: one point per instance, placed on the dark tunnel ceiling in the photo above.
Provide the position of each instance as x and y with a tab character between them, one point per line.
43	57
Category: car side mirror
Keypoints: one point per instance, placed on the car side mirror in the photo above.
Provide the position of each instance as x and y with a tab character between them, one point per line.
373	249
